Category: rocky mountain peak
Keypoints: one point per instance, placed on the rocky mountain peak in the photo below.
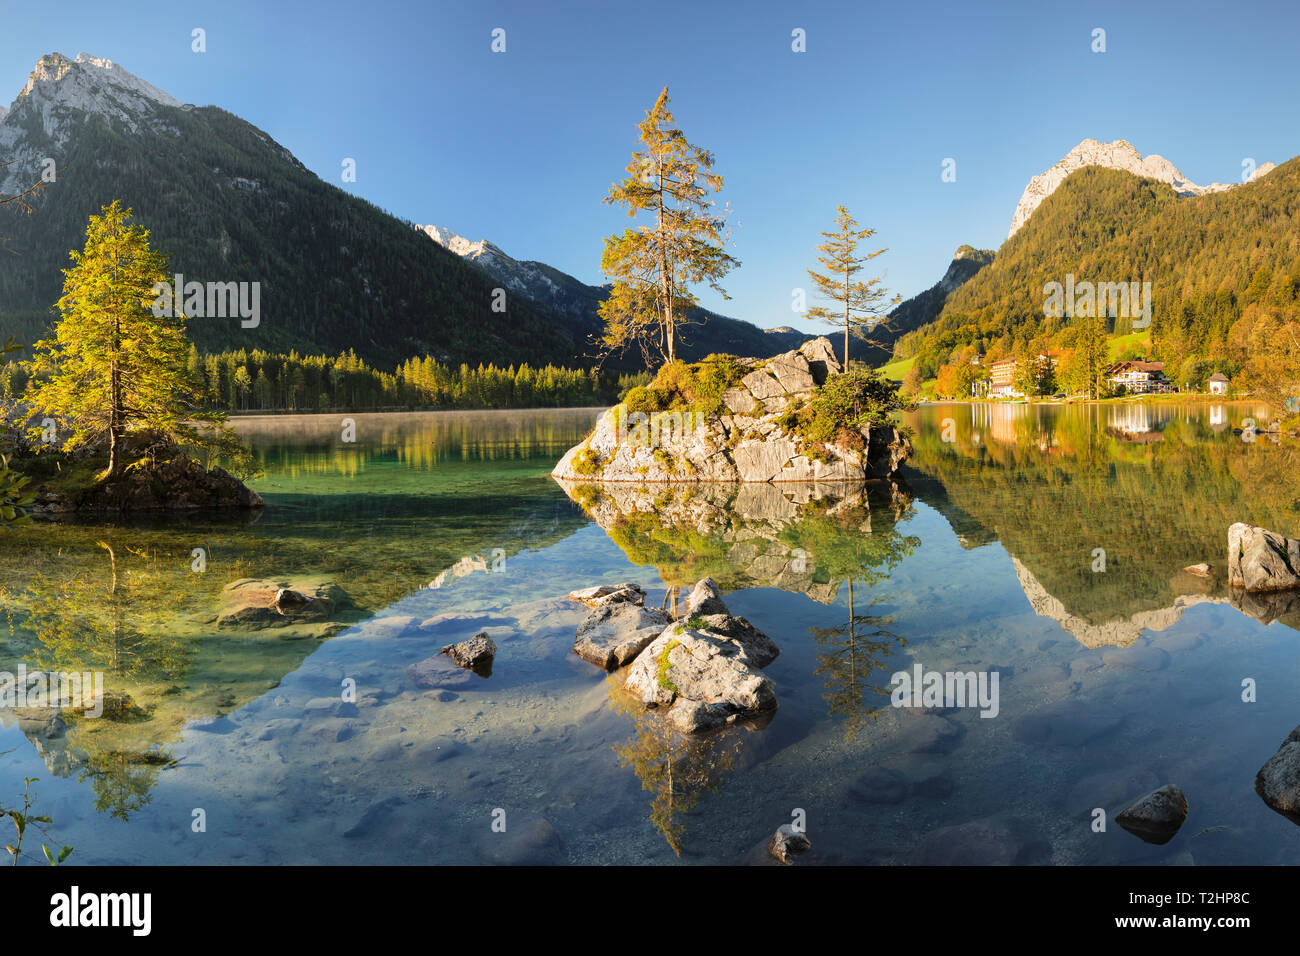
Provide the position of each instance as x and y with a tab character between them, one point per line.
59	93
525	278
1120	154
90	83
465	248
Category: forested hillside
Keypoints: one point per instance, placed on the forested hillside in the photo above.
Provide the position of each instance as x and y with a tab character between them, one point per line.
1224	269
229	204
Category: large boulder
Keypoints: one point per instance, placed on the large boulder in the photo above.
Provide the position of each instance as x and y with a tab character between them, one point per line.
253	604
700	679
750	440
821	358
1262	560
754	647
705	598
1278	781
613	634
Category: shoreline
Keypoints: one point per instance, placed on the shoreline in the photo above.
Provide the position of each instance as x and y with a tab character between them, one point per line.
1176	399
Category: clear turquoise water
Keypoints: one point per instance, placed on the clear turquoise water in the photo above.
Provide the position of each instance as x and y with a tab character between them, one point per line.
1109	680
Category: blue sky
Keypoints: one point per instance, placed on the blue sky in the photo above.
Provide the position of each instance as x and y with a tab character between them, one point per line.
521	147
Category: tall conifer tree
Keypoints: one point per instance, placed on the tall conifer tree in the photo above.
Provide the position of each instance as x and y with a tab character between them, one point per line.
114	366
858	304
654	265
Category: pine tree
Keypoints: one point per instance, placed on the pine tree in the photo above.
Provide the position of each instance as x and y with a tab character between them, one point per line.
113	366
654	266
858	304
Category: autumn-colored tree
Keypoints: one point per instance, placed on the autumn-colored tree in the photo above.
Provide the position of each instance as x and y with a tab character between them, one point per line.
1272	369
114	366
957	380
654	266
858	304
1091	358
912	382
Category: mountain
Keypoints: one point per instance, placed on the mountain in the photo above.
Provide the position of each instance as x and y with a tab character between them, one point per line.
1117	155
924	307
580	302
229	204
1218	263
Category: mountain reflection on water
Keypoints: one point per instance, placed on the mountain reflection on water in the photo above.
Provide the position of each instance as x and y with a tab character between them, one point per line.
983	556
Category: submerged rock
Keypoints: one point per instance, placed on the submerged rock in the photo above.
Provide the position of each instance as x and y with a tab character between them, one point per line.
880	785
1278	781
1262	560
253	604
1155	817
992	841
930	734
533	841
1108	789
437	672
614	634
476	654
1070	723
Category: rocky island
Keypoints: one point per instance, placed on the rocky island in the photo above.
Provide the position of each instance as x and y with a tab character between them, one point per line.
164	478
798	416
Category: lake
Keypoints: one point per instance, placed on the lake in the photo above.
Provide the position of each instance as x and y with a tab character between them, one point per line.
1044	544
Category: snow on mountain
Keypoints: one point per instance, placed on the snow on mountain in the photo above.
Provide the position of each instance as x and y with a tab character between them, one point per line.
1120	154
525	278
58	94
574	298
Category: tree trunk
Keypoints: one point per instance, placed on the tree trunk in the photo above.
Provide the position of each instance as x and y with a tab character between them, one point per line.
846	319
665	277
116	415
